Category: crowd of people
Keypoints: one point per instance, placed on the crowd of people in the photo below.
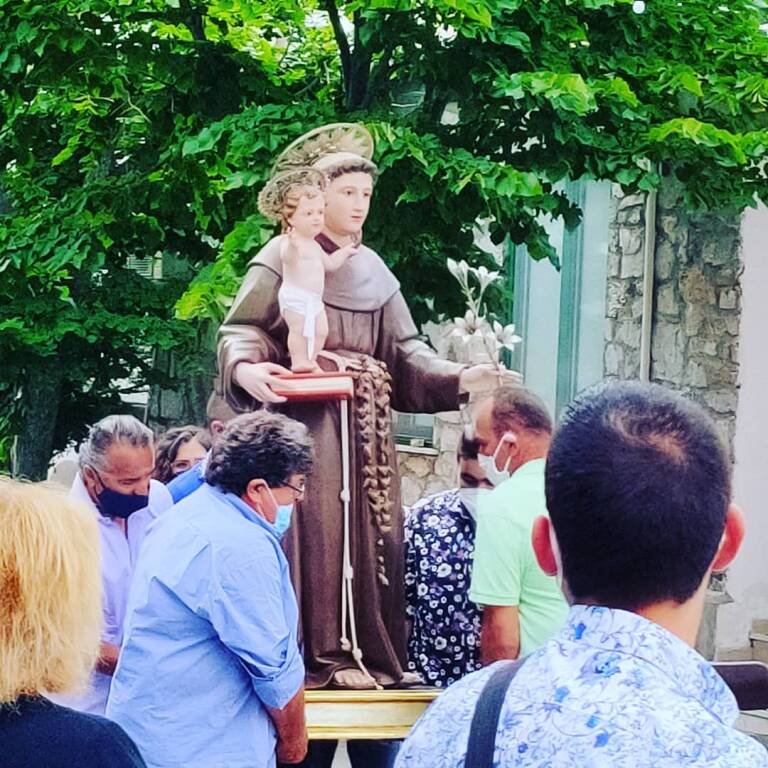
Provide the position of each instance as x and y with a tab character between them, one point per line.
149	617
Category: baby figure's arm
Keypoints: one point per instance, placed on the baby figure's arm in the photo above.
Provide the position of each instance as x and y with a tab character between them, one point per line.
294	247
333	261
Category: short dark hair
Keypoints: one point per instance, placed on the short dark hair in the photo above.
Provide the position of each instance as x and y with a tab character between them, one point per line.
353	166
638	484
262	445
515	407
468	447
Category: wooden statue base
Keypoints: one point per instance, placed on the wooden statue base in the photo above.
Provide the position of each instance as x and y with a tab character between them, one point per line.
383	714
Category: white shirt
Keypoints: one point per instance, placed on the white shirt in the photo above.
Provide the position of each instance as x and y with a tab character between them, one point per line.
119	552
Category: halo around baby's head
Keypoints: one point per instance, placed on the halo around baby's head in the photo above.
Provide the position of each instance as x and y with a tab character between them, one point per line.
282	193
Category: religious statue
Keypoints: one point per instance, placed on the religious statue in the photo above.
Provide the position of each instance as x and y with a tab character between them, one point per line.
296	198
348	578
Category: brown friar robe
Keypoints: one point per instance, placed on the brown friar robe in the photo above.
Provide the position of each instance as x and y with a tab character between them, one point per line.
367	316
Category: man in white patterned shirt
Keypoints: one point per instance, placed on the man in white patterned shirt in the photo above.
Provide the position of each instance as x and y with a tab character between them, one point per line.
638	492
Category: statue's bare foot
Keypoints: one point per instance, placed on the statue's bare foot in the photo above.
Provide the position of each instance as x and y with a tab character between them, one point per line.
411	678
353	678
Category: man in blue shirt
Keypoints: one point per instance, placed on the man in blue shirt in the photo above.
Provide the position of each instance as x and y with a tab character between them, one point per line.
638	493
210	673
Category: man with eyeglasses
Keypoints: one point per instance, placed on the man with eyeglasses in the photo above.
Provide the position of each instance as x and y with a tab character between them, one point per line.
210	672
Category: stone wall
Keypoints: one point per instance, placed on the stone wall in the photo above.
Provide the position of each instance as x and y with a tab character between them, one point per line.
424	471
696	307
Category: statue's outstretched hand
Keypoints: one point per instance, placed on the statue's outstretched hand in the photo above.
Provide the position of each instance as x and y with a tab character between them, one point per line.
347	250
257	379
486	377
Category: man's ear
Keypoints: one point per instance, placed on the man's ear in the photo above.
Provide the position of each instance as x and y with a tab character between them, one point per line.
733	535
542	545
90	478
512	441
252	495
216	427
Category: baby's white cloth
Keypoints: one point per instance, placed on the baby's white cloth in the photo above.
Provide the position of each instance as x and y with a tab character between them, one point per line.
305	303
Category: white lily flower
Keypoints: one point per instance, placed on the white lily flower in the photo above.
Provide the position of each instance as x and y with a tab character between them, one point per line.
485	277
508	337
460	270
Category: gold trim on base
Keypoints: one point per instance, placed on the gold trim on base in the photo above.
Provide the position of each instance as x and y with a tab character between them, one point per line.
345	714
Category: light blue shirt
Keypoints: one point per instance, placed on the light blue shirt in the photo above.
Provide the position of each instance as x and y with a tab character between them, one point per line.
188	481
612	689
210	638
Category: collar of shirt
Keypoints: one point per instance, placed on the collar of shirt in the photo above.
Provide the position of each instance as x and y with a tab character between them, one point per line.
246	511
532	467
624	633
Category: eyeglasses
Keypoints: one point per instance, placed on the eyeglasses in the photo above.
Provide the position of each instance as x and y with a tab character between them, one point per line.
298	489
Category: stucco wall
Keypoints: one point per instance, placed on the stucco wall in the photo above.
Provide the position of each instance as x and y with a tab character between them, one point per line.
748	576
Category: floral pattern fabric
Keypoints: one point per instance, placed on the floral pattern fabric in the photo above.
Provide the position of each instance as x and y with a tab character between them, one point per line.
445	625
612	689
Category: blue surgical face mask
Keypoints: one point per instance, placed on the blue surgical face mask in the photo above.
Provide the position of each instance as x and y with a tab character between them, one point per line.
283	515
115	504
283	519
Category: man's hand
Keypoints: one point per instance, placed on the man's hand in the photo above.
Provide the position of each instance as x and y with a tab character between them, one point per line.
293	752
107	661
291	728
486	377
257	379
500	633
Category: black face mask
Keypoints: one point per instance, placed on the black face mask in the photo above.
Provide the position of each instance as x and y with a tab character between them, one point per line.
115	504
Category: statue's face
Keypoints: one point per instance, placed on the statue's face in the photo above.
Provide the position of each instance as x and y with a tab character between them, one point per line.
308	217
347	200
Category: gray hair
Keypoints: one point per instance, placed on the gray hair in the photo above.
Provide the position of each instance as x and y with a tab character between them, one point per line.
107	432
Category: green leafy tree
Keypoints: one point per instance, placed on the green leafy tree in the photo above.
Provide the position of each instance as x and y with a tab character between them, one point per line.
145	129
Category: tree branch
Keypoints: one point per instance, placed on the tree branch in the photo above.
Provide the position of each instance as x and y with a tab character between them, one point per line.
193	20
380	74
360	71
341	41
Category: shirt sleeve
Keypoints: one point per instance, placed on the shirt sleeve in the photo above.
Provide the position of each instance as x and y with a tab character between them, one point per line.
497	569
249	611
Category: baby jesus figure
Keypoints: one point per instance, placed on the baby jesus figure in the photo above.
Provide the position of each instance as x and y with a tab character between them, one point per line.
296	198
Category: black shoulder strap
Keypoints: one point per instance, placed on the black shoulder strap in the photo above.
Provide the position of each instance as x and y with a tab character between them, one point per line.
482	733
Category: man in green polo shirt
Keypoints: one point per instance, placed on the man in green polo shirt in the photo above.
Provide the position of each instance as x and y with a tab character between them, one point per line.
523	607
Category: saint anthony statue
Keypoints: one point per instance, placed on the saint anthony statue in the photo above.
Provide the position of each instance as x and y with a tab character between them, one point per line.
357	639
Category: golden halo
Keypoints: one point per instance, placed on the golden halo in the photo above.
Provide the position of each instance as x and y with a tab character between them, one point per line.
352	138
272	196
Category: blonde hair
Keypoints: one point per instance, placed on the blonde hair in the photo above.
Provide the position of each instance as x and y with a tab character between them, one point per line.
291	198
50	590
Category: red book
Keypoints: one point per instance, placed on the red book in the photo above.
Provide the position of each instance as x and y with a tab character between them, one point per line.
316	386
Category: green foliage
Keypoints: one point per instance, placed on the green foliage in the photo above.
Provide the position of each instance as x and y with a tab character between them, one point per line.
145	129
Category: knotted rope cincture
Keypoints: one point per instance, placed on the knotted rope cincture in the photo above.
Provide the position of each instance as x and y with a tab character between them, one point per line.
348	642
